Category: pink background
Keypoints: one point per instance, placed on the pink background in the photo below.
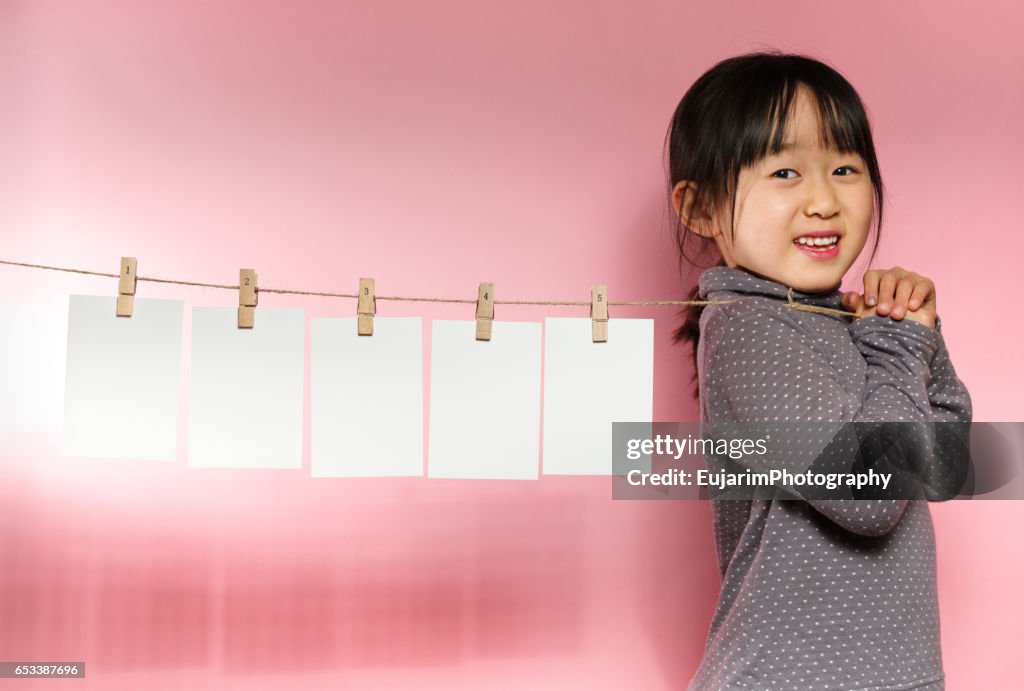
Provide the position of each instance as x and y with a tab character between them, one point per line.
433	146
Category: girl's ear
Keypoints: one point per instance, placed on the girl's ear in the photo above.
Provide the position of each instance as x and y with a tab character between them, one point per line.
696	218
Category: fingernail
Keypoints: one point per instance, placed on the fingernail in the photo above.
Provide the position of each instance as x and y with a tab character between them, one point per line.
871	301
883	306
898	312
913	304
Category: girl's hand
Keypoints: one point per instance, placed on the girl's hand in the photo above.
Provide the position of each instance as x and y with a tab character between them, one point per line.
896	292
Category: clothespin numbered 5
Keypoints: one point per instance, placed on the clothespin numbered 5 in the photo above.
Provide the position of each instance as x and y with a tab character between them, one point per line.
126	286
599	313
247	298
367	306
484	311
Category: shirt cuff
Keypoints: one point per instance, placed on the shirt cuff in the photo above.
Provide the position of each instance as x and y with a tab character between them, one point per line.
918	338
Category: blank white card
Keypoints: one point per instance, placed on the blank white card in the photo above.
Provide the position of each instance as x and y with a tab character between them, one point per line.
245	403
122	379
484	401
366	398
588	386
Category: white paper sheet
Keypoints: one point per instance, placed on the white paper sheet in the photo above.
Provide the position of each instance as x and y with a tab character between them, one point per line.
588	386
122	379
484	401
366	398
245	403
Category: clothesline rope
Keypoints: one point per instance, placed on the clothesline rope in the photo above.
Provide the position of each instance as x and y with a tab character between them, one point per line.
571	303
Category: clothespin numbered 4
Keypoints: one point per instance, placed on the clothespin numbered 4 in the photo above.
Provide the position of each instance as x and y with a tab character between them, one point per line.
599	312
484	311
247	298
367	306
126	286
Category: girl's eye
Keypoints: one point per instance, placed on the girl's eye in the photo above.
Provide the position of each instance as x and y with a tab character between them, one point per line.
783	170
849	168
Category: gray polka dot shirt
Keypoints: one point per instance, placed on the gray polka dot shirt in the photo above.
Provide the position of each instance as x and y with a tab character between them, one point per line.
816	594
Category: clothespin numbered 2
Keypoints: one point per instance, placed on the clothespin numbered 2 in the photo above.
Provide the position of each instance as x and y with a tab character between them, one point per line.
126	286
599	313
367	306
484	311
247	298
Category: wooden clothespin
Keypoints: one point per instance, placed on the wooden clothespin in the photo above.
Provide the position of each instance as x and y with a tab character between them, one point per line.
599	312
484	311
367	306
126	286
247	298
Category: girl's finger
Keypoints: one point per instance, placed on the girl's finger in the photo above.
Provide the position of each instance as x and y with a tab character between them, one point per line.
871	279
922	291
853	301
886	292
904	289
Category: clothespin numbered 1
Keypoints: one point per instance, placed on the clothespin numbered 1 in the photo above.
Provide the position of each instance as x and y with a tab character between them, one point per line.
367	306
247	298
484	311
126	286
599	312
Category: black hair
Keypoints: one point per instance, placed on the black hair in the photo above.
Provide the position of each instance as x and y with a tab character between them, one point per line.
734	116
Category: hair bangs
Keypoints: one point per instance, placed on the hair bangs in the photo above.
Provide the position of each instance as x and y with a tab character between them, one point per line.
838	126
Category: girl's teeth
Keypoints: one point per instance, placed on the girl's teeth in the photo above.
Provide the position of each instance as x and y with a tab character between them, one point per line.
818	242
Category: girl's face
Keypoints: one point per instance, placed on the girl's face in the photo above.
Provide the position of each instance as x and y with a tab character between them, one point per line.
803	189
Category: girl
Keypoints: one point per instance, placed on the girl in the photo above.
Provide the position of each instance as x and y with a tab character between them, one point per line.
773	167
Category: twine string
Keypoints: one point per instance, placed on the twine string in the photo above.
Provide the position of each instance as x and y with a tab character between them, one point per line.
571	303
814	308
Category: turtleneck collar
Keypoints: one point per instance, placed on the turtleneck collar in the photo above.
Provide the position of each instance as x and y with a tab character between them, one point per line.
735	280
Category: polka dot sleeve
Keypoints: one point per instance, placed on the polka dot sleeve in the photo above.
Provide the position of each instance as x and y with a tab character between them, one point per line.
762	366
949	398
942	461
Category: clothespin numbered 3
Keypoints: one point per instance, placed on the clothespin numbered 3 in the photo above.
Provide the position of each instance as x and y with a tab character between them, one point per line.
247	298
484	311
599	313
126	286
367	306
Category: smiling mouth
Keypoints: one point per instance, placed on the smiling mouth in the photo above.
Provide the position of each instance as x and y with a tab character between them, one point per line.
815	243
821	252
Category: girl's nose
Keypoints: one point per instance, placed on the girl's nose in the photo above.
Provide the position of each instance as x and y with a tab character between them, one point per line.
821	200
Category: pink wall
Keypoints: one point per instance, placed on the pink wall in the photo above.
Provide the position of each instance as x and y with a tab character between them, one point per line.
433	146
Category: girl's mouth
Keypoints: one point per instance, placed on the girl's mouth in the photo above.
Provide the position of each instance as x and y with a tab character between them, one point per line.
820	252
